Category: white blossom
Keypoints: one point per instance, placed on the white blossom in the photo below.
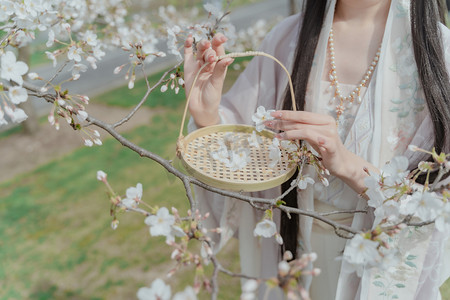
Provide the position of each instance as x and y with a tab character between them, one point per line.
214	9
51	38
424	205
158	291
92	61
90	38
283	268
238	160
17	115
260	117
254	140
395	170
88	143
187	294
17	94
361	252
133	196
33	75
302	182
266	228
74	53
12	69
76	69
161	223
249	289
221	154
52	57
274	153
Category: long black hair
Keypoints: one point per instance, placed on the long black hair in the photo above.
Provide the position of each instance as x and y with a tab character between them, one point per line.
429	56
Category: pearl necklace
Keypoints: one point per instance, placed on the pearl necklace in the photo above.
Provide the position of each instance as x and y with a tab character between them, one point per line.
355	95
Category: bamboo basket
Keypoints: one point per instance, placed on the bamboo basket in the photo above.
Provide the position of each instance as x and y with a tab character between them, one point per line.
194	151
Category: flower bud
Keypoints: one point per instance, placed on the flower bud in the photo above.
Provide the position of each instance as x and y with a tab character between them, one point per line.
283	268
101	176
115	224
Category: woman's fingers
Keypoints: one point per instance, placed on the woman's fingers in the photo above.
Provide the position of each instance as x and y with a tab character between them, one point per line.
303	117
217	44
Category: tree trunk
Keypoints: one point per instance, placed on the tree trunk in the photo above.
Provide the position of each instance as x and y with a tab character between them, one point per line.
31	124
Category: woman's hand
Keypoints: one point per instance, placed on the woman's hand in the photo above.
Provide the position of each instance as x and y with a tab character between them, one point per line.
320	132
206	94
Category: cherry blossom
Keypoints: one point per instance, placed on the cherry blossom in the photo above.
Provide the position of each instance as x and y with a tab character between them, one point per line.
266	228
17	115
12	69
254	140
424	205
361	251
302	182
238	160
133	196
274	153
158	291
249	289
17	94
396	170
187	294
74	53
260	117
161	223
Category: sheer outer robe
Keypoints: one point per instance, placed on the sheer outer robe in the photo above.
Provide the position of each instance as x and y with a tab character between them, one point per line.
392	115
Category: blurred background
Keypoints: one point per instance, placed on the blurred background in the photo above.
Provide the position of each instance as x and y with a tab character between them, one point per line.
55	236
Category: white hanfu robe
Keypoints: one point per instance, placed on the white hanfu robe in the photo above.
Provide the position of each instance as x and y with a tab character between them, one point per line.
392	115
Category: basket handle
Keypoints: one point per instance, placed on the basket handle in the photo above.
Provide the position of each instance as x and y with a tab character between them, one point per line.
236	54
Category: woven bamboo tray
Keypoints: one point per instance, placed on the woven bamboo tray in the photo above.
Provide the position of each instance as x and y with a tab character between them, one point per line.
194	152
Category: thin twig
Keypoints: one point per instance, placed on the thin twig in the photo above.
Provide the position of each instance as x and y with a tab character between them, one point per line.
144	98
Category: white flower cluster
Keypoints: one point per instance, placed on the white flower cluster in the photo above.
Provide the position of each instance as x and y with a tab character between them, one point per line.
179	26
396	197
163	224
233	151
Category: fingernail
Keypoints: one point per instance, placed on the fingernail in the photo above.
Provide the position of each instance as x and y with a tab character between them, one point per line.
268	123
276	114
281	136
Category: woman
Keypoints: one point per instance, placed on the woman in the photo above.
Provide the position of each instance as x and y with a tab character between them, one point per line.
377	68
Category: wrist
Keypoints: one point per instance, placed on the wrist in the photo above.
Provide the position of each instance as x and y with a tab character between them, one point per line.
206	118
353	170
